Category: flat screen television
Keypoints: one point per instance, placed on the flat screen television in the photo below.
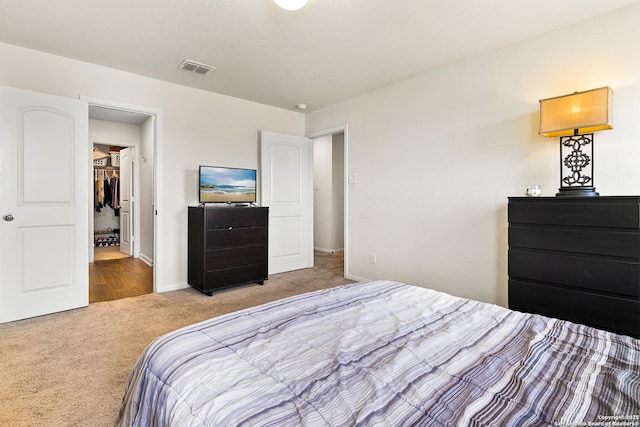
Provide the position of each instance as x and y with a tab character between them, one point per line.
227	185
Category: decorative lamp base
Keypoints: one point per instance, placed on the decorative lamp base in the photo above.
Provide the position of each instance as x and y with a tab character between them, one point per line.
577	192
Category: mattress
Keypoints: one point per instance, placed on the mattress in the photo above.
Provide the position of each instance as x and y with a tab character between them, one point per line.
384	353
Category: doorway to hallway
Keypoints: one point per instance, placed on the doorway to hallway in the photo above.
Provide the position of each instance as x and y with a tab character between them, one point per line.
330	148
117	278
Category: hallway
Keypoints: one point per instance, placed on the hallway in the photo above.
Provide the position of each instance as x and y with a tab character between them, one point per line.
119	278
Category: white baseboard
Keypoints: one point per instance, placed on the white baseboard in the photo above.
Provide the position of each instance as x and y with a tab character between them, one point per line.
146	260
174	287
329	251
356	278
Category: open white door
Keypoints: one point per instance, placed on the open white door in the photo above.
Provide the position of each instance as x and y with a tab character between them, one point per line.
44	191
127	158
286	187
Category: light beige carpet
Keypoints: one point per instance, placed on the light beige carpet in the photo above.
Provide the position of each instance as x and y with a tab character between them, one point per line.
71	368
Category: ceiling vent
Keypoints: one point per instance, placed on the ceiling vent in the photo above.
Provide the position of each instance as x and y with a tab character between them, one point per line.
196	67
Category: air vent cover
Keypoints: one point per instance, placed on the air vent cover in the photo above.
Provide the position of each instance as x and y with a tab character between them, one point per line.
196	67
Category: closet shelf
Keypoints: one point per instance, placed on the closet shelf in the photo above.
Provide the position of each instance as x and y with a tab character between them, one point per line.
102	242
112	237
107	231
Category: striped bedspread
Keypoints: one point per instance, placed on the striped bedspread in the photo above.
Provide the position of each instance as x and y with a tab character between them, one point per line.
384	353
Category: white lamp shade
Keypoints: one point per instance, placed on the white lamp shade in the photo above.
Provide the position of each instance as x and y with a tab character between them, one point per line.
291	4
588	112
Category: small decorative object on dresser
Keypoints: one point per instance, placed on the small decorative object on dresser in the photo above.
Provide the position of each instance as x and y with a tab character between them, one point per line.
534	191
577	259
227	246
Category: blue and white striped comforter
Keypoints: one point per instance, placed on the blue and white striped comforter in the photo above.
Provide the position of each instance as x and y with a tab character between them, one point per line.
384	353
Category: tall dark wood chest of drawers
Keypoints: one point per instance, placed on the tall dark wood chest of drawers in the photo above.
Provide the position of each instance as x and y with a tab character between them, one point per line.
577	259
227	246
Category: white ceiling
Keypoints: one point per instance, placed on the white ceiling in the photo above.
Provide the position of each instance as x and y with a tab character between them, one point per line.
328	51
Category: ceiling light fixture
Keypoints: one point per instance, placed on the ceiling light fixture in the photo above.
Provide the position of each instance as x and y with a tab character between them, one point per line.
291	4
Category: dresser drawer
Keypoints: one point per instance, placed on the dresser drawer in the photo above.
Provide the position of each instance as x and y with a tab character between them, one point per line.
235	256
584	241
235	237
604	312
236	217
596	274
603	212
235	275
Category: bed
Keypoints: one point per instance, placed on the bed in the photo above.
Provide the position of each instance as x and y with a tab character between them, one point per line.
384	353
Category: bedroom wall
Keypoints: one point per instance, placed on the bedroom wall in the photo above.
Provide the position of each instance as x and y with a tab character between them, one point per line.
199	128
437	155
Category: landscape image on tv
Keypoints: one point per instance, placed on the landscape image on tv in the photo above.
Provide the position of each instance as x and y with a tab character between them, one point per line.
229	185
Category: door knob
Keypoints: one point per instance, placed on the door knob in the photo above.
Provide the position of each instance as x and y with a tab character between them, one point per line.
8	217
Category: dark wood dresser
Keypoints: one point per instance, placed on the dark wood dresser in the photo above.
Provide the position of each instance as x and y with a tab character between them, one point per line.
577	259
227	246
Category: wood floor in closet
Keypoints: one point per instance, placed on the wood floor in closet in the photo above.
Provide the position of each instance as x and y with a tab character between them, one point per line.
113	279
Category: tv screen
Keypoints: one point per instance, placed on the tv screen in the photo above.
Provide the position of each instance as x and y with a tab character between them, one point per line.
227	185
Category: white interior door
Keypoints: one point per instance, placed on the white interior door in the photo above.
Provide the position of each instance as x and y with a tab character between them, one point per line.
44	198
127	157
286	187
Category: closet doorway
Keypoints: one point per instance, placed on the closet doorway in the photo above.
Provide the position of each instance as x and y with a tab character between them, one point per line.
123	218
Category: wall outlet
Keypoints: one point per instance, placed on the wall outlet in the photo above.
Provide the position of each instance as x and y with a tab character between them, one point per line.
372	258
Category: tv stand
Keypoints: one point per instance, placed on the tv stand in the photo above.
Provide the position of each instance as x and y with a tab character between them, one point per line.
227	247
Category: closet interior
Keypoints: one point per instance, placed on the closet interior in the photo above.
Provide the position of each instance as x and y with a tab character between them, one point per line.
106	174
